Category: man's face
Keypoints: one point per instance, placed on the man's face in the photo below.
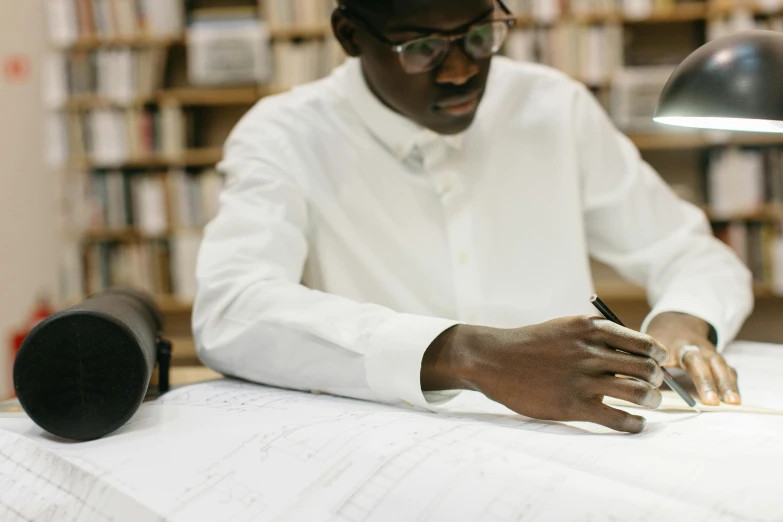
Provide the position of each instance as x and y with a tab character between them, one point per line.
444	99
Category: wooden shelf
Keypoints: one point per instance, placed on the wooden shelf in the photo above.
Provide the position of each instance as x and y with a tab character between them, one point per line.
125	235
696	139
192	158
186	96
94	42
773	212
128	235
608	291
169	304
676	13
91	101
726	7
87	43
215	97
301	32
621	291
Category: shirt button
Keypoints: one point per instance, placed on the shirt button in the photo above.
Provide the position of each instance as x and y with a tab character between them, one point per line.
464	257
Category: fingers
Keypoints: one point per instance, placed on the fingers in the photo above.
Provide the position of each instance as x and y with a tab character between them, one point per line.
726	379
636	392
617	420
622	338
698	368
644	368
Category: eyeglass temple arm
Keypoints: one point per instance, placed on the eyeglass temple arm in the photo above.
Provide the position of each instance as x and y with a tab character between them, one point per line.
505	8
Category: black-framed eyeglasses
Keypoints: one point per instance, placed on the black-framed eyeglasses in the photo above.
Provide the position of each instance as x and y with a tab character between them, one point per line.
480	41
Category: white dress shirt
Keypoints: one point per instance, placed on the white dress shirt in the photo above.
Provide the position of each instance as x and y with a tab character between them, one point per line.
349	238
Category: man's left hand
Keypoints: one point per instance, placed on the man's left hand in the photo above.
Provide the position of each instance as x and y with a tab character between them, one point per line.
714	378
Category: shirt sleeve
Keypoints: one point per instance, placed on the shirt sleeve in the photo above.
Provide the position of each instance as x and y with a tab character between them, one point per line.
252	318
638	225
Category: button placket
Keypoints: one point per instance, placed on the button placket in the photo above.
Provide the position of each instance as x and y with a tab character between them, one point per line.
459	229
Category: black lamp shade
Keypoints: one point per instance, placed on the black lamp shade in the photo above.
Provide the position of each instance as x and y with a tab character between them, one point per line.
737	77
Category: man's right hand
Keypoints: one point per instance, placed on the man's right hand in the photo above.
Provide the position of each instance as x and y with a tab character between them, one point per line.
559	370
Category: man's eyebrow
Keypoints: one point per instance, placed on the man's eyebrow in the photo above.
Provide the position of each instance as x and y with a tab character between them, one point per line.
430	30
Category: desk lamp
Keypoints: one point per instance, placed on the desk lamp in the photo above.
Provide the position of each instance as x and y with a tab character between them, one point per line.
732	83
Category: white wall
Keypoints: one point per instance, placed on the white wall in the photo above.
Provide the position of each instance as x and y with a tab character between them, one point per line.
28	226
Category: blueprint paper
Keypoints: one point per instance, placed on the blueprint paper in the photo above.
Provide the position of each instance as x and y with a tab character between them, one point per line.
235	451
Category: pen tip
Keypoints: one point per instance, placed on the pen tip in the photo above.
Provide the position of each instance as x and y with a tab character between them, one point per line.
593	298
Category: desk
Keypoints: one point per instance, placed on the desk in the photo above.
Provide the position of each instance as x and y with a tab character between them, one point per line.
228	450
178	376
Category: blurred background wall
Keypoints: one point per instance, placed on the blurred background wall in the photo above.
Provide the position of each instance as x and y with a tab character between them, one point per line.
28	217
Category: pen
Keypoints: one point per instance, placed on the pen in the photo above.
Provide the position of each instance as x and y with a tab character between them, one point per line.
667	378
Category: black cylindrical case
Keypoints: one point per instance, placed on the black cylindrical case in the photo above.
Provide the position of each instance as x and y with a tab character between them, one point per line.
83	372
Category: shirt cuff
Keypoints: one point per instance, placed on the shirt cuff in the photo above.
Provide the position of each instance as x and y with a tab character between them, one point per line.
700	306
393	359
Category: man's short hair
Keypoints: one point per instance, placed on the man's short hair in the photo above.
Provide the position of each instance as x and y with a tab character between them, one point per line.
378	6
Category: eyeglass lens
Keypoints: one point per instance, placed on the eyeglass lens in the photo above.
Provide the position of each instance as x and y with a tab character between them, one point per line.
481	42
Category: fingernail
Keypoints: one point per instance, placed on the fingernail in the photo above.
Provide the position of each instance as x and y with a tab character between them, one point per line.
732	397
711	398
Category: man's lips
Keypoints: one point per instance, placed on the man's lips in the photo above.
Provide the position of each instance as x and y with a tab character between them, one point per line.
459	105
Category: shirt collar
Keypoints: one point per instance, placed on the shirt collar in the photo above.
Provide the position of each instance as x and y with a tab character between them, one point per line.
399	134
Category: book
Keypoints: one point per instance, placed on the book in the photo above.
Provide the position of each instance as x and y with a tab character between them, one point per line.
283	14
119	75
300	62
70	20
228	47
142	265
194	198
634	94
590	53
112	137
185	245
735	182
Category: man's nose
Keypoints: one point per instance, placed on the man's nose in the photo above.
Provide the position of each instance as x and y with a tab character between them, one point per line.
458	68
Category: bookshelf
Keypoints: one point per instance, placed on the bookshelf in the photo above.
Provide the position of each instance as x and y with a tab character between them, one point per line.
179	127
190	158
90	43
693	140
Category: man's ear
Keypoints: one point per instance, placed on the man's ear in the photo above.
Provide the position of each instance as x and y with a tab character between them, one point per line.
345	32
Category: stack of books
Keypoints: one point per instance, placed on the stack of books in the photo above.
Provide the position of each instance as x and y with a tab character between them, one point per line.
285	14
71	20
119	75
634	94
228	46
141	229
304	61
144	265
737	181
152	204
112	137
589	53
744	18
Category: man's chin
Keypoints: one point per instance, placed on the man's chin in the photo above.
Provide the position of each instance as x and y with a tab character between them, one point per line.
449	125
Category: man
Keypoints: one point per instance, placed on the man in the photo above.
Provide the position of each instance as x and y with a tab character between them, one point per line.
421	222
